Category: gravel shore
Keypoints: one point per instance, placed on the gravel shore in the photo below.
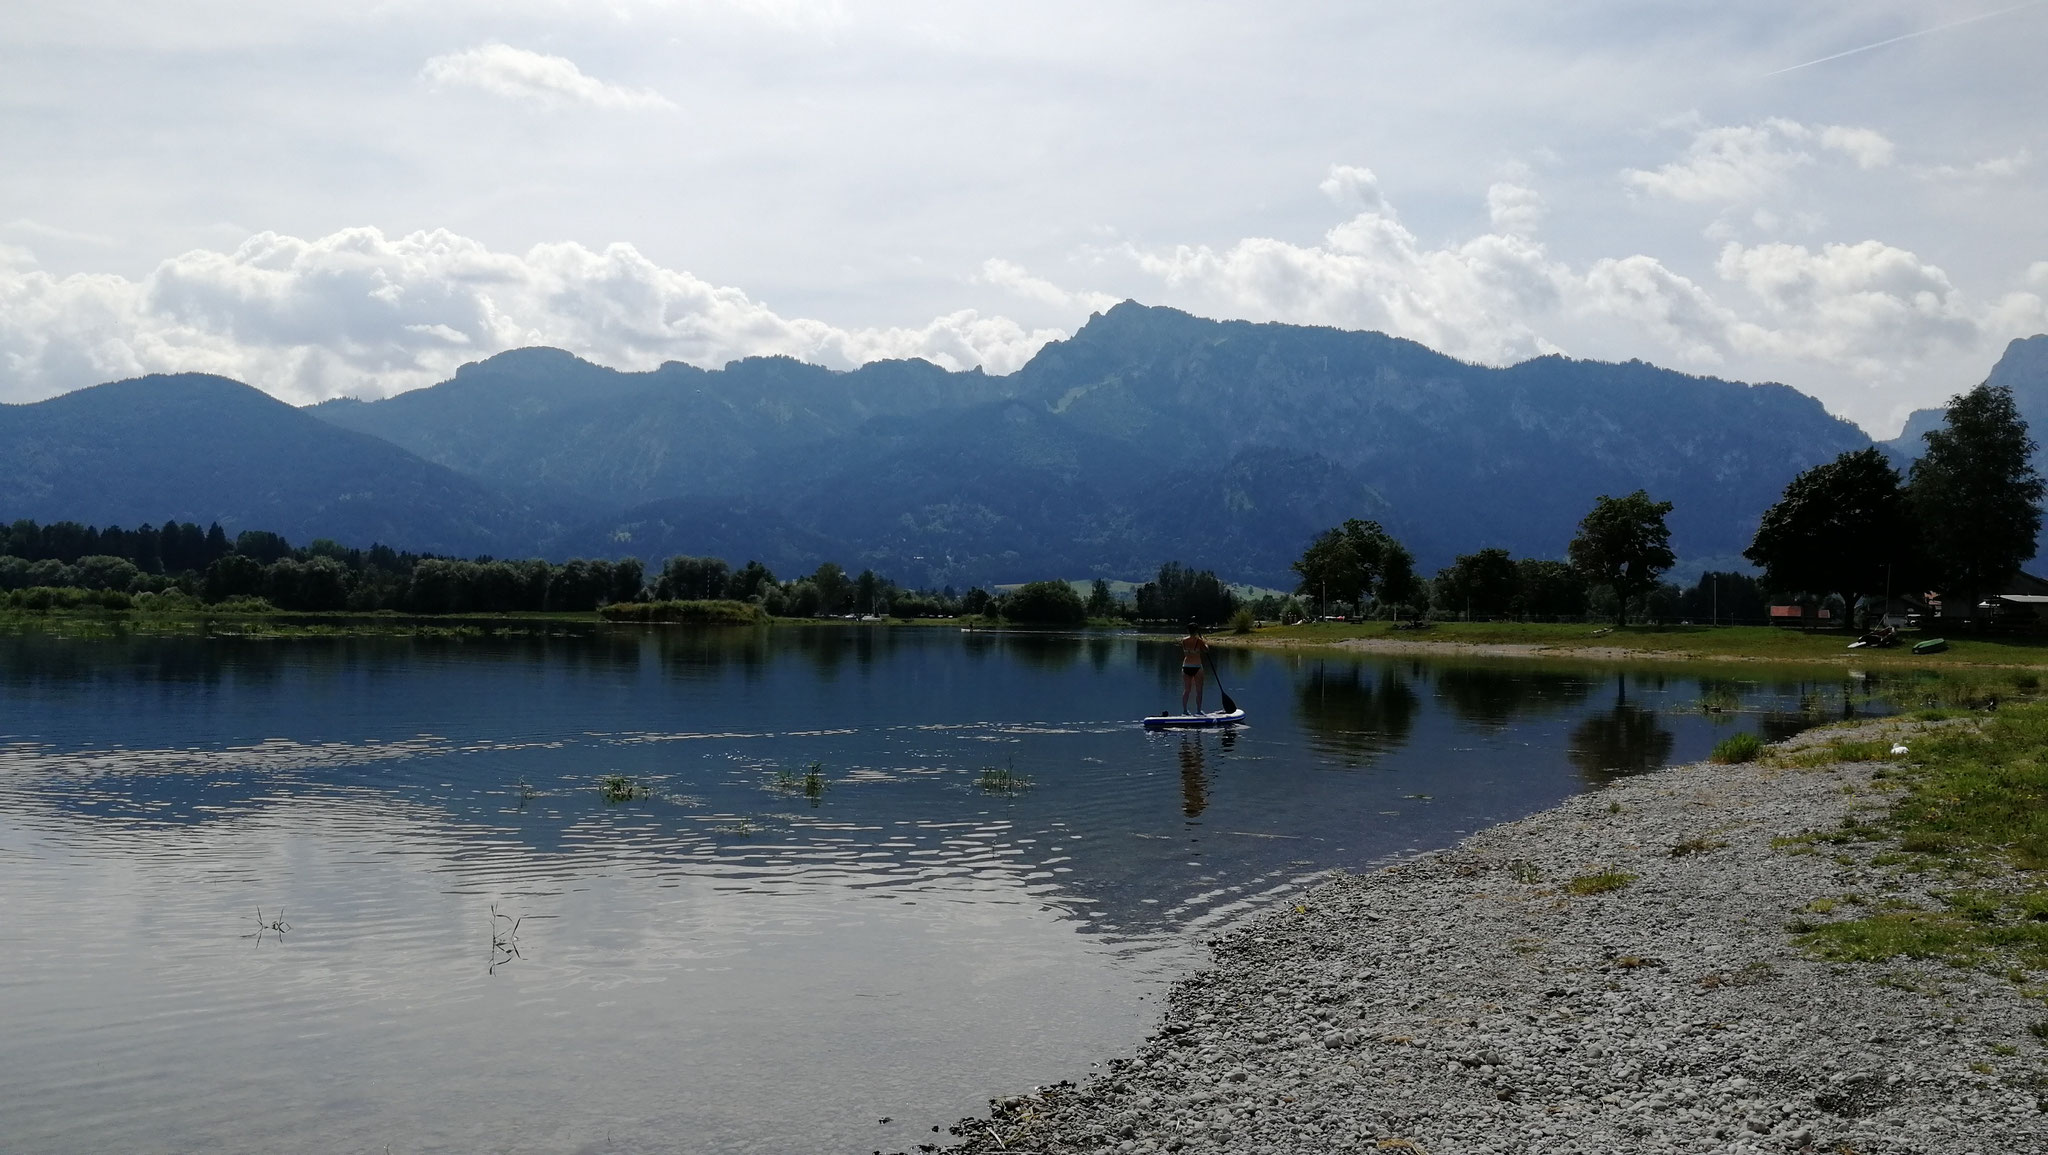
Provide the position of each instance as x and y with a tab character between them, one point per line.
1468	1001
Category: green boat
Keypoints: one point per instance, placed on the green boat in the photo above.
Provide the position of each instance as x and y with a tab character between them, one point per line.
1930	646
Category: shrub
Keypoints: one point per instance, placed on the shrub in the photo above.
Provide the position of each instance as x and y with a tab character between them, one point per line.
1737	748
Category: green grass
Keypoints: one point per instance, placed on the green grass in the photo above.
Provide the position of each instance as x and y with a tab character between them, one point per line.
1767	643
1974	809
1600	883
709	613
1737	748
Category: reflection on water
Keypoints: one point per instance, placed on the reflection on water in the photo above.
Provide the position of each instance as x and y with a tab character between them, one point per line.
1354	712
1625	739
1495	696
1194	781
484	953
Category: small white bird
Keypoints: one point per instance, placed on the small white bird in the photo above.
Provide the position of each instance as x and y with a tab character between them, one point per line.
1898	748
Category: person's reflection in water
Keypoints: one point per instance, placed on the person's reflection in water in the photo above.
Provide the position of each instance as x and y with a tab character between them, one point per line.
1194	779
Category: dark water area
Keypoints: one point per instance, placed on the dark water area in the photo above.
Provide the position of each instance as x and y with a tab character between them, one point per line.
344	894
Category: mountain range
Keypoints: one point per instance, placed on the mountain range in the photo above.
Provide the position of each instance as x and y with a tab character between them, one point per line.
1149	435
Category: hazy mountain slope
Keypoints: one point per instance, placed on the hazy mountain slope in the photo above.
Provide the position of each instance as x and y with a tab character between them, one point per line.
201	448
1149	435
541	419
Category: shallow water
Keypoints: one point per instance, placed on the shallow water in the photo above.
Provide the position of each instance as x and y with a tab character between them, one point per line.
350	894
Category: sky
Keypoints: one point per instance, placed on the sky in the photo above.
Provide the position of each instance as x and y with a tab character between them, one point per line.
328	199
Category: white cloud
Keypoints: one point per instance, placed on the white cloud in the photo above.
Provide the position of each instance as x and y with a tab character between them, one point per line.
1017	279
1747	163
1469	300
1868	147
1353	187
358	313
1729	164
1514	209
518	74
1990	168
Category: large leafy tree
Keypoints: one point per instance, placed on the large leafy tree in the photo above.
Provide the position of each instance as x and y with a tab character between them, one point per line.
1841	528
1481	584
1623	543
1355	562
1975	495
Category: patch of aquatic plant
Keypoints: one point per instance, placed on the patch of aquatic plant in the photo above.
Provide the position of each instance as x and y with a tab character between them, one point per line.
1001	780
811	783
1742	747
1600	883
524	792
504	939
275	926
1719	699
744	828
619	788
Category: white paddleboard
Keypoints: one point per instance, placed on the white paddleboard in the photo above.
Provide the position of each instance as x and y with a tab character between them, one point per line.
1194	721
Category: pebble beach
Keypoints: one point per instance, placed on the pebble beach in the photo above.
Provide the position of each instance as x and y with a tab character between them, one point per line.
1616	974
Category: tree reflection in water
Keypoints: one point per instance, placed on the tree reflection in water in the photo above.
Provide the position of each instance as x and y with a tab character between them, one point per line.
1356	717
1494	697
1626	739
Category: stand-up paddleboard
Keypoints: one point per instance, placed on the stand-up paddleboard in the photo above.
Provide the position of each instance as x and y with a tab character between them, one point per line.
1194	721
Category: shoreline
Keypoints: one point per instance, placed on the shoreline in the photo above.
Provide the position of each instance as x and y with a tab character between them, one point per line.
1545	651
1473	999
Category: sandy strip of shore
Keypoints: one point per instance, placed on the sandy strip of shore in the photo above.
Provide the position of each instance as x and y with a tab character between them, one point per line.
1467	1001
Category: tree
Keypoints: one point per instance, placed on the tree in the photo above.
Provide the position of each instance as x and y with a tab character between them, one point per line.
1101	601
232	575
1841	528
1548	589
1045	604
1975	495
1720	597
1624	544
1480	585
1180	594
685	578
833	588
1355	562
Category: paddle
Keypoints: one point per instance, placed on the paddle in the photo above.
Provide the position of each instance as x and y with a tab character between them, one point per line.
1229	707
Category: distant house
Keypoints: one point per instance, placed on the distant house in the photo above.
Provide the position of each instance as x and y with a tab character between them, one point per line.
1802	617
2024	601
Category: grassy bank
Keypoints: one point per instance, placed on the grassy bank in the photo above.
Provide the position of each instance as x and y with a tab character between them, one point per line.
1969	827
1761	643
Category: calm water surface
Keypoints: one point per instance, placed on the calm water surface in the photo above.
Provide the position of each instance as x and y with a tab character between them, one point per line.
351	894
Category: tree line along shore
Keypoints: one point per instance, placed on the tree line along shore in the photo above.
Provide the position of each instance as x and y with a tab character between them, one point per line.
1951	531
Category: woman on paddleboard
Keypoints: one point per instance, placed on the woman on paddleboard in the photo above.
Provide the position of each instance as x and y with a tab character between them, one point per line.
1192	650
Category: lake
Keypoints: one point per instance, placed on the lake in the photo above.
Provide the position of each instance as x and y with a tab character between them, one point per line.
351	894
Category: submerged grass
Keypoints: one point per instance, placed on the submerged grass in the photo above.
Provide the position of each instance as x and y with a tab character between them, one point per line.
619	788
1001	780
